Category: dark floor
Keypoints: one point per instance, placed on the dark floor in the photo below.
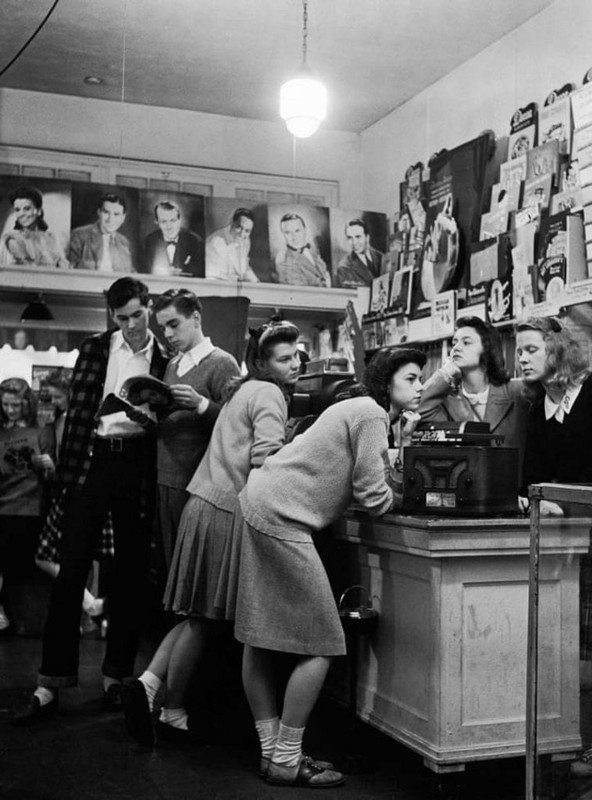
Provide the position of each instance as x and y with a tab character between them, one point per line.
86	754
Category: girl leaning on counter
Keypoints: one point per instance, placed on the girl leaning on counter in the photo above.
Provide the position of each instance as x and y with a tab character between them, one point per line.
285	603
473	384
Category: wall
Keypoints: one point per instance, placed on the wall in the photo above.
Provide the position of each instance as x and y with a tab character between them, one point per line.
102	127
549	50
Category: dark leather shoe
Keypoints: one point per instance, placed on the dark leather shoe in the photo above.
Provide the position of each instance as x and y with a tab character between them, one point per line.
265	762
112	698
34	712
177	736
138	718
307	773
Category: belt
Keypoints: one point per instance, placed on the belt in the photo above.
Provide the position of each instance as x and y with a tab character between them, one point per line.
119	444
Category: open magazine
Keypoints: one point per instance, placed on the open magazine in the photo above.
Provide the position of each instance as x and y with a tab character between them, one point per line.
138	391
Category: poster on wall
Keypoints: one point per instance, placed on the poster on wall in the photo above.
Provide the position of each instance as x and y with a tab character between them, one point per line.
34	222
105	221
172	234
358	244
300	244
237	241
454	204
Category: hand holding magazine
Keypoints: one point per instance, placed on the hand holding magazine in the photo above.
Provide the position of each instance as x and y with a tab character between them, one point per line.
138	391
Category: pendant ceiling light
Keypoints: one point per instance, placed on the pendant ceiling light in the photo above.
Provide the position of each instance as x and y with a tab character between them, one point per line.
303	99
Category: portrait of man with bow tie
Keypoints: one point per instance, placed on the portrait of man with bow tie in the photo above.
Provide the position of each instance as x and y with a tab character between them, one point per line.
172	249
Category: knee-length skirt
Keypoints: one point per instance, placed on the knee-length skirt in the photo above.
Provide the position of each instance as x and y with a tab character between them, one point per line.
203	577
284	599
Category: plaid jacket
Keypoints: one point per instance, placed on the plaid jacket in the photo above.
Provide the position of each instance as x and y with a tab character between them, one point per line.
86	395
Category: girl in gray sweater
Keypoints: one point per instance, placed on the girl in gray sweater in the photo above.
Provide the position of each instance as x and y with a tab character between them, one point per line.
204	570
284	598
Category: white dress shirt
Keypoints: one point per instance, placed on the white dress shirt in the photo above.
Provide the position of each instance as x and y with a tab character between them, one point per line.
123	363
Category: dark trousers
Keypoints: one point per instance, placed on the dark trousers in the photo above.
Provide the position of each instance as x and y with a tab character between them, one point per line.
121	483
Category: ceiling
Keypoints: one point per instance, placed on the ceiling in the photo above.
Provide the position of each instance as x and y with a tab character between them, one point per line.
230	56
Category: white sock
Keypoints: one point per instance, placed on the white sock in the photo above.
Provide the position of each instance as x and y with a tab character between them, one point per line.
267	730
44	695
151	685
175	717
288	748
107	682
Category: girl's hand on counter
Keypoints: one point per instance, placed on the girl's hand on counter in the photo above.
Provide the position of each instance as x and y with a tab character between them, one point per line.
409	420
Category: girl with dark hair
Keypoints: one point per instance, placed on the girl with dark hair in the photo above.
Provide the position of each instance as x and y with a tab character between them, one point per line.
204	571
25	461
473	384
285	603
30	242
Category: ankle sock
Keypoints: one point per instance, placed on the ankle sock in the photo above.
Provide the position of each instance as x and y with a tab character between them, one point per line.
288	748
44	695
267	730
151	685
175	717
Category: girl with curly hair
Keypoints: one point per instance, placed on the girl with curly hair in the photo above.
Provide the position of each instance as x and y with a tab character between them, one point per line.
473	384
284	602
25	461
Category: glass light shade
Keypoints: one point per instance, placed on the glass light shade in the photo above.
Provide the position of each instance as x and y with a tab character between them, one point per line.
303	105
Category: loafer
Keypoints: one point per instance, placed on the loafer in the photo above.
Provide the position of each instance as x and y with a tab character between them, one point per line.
138	717
306	773
33	712
265	762
112	698
177	736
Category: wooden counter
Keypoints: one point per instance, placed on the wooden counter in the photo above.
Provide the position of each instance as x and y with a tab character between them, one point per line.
445	672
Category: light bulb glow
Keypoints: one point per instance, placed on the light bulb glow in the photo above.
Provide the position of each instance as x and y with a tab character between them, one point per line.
303	105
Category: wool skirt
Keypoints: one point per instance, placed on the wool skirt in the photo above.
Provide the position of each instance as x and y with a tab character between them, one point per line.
284	599
203	576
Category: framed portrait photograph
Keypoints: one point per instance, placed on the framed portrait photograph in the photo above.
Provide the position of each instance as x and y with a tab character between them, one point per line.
300	245
172	234
237	240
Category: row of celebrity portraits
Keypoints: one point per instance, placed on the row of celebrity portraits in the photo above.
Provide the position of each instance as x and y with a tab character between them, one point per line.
121	230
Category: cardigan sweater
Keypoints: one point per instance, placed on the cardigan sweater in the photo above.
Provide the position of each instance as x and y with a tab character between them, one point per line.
310	482
251	426
560	452
183	435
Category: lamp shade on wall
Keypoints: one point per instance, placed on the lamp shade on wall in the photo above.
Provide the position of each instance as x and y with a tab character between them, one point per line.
36	311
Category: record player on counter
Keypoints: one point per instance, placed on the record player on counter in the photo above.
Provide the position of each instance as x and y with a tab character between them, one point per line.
459	469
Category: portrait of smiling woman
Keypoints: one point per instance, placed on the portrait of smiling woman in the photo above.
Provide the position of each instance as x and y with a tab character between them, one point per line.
29	242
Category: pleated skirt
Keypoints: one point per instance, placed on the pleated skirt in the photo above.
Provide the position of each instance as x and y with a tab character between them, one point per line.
203	577
284	599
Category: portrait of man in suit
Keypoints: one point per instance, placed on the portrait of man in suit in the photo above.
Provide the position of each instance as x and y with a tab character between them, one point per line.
362	264
299	263
100	246
172	249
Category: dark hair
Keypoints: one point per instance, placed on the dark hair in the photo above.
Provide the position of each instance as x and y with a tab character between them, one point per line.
125	289
260	346
288	217
166	205
241	212
112	197
359	222
57	379
565	358
383	366
21	388
492	358
184	301
35	196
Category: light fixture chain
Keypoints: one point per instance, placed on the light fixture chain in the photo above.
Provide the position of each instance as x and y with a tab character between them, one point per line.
304	29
